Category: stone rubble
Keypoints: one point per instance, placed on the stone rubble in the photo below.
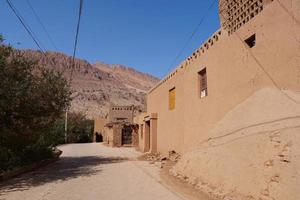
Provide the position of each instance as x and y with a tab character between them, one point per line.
159	160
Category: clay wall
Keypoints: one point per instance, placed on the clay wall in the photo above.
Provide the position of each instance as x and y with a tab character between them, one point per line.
99	124
234	72
120	114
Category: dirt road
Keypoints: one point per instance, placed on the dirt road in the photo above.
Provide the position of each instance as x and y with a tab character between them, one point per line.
88	172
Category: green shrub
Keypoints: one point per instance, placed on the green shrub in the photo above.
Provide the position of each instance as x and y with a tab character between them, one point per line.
32	101
55	135
80	129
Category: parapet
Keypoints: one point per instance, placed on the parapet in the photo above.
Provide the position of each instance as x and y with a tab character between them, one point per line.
196	54
235	13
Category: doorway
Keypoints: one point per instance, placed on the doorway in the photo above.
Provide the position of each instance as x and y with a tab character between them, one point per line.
99	137
127	135
147	136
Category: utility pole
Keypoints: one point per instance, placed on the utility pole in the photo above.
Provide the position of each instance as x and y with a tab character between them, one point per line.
66	127
73	64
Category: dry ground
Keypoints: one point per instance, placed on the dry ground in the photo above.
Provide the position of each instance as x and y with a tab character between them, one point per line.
93	171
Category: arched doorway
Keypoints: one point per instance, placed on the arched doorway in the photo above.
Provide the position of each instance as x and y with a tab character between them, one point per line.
99	137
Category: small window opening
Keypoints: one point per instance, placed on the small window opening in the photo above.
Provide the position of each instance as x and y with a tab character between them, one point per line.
203	83
172	99
251	41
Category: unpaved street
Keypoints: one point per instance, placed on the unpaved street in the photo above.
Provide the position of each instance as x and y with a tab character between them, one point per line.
91	171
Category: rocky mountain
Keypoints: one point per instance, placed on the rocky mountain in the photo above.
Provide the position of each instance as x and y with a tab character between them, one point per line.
96	86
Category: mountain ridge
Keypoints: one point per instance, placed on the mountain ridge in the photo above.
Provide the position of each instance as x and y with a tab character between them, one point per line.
96	86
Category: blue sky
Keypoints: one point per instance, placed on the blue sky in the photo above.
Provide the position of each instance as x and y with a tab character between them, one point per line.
143	34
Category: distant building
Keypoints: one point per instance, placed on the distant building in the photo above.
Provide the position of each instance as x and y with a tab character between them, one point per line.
119	127
120	114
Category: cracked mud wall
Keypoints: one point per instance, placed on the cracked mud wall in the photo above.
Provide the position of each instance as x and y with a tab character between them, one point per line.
253	152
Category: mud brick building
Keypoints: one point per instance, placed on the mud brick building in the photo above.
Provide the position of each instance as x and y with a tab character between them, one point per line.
119	127
256	47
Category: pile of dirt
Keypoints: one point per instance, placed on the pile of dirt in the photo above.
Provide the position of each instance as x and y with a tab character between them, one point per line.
253	152
173	156
158	159
150	157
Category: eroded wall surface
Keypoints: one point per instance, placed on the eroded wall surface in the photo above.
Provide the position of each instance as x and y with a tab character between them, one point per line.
252	153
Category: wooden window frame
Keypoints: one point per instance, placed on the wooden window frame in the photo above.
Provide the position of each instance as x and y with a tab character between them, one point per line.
202	87
172	105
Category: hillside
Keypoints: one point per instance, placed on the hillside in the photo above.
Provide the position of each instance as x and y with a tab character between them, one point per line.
96	86
128	76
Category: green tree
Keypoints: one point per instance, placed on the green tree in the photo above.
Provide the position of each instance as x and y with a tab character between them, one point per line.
80	129
32	99
56	134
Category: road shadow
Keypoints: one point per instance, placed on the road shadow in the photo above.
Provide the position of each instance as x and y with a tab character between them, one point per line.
64	169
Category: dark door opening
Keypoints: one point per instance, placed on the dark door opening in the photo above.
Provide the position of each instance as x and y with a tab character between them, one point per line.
147	136
99	137
126	135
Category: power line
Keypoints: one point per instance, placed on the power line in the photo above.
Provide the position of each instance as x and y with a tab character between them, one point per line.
42	25
191	36
73	63
27	28
76	38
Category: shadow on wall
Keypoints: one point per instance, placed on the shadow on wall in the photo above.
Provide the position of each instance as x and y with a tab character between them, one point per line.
63	170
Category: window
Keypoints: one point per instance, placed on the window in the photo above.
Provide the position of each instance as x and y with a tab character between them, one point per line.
172	99
121	119
251	41
203	83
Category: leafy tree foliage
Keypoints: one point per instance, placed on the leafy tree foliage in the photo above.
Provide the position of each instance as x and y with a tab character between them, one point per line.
32	98
80	129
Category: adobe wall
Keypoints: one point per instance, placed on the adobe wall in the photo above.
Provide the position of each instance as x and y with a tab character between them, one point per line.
135	137
233	13
114	135
120	114
234	73
109	136
139	120
117	135
170	123
99	124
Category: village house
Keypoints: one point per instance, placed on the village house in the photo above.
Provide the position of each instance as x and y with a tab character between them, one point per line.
255	48
117	129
